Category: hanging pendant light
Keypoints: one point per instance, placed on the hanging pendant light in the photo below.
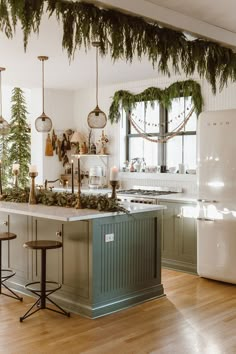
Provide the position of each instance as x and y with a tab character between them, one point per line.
97	118
43	123
4	126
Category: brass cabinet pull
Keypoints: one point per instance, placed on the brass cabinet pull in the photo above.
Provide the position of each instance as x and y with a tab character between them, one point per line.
4	223
59	234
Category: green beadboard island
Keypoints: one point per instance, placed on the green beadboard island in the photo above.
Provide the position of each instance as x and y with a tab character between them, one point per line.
97	277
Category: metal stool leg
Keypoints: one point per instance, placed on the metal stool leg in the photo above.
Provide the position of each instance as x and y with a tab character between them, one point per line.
14	295
41	302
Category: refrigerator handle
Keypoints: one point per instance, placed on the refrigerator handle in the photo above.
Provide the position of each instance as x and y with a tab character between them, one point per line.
207	201
205	219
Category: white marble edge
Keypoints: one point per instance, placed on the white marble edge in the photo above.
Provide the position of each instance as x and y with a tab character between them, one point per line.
72	214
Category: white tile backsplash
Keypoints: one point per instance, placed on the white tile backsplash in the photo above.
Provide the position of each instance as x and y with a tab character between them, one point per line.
188	183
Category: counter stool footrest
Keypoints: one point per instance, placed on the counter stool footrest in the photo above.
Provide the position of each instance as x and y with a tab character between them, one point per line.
37	303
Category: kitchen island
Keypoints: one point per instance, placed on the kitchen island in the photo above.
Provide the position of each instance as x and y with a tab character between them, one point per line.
109	261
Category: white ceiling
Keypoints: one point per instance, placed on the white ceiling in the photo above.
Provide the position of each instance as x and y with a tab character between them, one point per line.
220	13
24	69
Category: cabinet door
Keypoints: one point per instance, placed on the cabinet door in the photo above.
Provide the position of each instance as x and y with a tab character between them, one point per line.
179	236
44	229
169	240
18	260
76	258
187	234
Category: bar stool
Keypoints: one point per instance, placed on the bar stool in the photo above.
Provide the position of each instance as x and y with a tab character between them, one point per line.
42	291
6	236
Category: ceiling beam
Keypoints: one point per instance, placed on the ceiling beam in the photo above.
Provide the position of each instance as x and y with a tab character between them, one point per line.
172	19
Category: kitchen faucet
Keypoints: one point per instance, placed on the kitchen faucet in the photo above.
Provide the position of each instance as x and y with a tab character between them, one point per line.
46	182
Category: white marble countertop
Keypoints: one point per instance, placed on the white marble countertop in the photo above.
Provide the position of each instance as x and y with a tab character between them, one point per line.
71	214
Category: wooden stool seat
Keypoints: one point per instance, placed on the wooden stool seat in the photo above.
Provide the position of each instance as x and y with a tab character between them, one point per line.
7	236
42	244
42	292
4	236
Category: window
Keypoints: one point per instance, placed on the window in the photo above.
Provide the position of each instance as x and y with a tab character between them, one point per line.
156	122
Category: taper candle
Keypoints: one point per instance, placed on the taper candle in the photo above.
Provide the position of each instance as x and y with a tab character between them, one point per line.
72	176
15	167
33	168
114	174
79	176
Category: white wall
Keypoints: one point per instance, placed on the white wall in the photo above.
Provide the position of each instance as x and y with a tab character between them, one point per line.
59	107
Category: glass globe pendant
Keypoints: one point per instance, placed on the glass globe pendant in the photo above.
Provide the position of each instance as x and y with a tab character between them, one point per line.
4	126
97	118
43	123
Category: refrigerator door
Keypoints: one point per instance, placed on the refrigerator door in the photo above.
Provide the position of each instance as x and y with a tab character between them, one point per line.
217	156
216	245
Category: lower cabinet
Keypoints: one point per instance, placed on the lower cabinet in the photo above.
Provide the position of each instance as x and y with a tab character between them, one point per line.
179	236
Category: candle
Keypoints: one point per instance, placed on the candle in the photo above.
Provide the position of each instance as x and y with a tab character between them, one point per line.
15	167
72	176
33	169
79	177
114	174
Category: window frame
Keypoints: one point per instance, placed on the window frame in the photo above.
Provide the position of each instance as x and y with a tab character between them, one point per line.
162	150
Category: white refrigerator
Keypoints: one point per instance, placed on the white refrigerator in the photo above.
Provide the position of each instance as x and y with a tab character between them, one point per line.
216	178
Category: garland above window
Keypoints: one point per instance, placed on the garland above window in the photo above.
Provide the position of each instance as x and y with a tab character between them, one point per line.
123	36
128	100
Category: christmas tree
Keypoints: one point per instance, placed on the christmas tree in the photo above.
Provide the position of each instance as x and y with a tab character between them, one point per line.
19	138
4	159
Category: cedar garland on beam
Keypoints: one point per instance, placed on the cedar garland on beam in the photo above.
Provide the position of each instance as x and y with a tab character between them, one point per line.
122	36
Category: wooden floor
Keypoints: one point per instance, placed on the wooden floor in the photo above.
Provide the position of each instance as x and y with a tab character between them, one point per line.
196	316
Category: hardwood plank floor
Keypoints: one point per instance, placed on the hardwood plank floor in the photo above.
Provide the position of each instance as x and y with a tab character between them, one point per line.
196	316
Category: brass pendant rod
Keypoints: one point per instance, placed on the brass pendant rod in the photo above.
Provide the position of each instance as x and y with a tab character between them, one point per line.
43	83
97	76
42	58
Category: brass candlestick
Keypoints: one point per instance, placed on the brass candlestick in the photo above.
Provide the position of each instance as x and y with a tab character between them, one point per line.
114	185
32	195
16	173
78	205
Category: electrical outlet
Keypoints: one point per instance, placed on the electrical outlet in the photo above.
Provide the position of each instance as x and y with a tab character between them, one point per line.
109	237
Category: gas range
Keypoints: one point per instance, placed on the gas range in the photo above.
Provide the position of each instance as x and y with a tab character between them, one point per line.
149	195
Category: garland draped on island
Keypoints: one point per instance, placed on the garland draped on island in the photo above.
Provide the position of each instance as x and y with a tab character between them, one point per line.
128	100
99	202
123	36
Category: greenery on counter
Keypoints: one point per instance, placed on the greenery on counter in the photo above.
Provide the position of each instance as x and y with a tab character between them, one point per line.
123	36
88	201
165	96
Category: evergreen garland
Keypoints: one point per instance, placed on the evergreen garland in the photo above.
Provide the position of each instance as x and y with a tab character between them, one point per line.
123	36
19	138
129	100
99	202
